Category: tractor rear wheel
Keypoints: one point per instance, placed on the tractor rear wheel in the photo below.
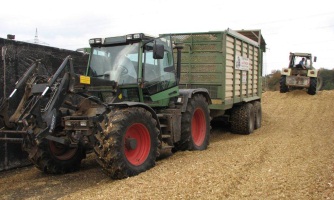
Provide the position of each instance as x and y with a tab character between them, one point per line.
242	119
195	125
128	143
283	87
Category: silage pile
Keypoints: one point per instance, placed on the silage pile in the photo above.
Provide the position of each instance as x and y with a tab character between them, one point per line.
291	156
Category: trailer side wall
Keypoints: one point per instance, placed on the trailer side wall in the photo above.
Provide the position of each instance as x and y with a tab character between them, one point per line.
209	61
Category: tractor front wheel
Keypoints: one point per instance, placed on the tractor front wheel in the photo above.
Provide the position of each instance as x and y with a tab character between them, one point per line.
55	158
128	143
283	87
312	90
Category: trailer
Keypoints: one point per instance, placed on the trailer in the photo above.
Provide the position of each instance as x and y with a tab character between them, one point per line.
229	65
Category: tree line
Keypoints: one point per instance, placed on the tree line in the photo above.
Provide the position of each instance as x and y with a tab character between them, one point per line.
271	81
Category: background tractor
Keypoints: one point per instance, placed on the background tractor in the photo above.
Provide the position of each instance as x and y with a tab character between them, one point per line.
300	74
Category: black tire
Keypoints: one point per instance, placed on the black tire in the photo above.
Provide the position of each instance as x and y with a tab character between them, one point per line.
243	119
49	156
55	158
121	157
195	125
312	90
258	114
319	83
283	87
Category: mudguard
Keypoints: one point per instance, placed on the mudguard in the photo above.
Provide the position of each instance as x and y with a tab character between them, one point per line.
186	94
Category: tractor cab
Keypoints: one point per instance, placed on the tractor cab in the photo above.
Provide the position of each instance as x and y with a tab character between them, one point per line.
142	66
301	61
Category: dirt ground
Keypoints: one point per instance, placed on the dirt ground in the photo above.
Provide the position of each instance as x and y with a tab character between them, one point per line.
290	157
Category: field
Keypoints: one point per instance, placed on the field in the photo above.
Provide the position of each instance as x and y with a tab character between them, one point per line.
290	157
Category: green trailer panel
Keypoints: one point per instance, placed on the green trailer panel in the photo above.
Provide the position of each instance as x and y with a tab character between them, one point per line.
209	60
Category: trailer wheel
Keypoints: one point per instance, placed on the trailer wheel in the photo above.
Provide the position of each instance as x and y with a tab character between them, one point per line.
283	87
242	119
128	143
313	86
258	114
195	125
55	158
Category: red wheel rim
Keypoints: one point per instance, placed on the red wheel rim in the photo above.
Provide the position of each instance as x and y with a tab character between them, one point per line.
61	151
138	132
198	127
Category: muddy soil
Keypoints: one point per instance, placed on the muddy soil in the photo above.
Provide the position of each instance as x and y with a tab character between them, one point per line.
290	157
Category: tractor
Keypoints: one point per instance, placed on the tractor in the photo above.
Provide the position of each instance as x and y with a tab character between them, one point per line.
300	74
127	108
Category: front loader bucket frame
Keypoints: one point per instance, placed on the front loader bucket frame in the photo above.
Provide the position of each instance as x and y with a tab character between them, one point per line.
15	129
11	153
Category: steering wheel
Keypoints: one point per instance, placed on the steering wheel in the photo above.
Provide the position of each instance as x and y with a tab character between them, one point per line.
124	70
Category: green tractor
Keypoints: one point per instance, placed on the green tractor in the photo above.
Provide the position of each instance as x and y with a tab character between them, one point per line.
127	109
300	74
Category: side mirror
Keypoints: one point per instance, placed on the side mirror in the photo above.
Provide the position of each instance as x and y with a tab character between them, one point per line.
315	59
158	51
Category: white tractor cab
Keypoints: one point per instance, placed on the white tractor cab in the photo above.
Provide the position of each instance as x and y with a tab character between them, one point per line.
300	74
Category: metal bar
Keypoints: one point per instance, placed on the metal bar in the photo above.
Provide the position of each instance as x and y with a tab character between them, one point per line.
190	61
6	151
247	84
241	37
224	47
241	73
259	75
24	78
59	70
253	66
234	70
4	50
14	140
12	132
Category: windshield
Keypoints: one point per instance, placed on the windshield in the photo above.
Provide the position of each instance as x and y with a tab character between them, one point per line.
117	63
300	62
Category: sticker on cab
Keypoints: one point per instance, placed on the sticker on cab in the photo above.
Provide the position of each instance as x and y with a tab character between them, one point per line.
85	80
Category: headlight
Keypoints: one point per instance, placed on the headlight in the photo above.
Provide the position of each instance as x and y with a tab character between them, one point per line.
98	40
68	123
95	41
136	36
83	123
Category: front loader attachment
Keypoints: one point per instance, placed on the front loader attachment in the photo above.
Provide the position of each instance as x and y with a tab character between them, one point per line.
29	129
11	154
11	138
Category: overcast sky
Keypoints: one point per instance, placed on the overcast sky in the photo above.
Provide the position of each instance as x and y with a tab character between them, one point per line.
294	26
